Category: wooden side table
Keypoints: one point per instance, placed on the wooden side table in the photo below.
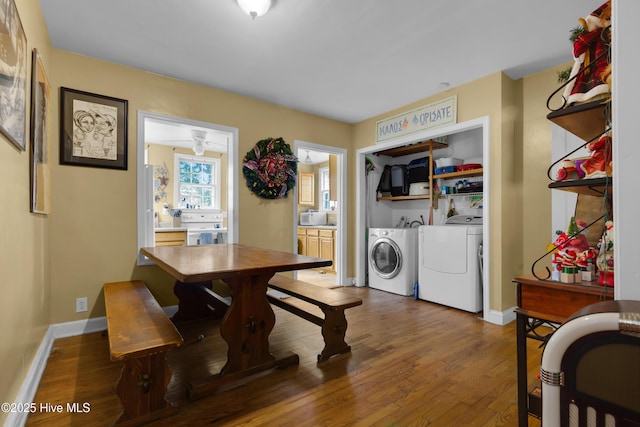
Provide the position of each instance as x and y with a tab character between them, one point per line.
546	303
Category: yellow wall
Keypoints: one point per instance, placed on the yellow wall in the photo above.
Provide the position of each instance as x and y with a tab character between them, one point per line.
90	236
484	97
520	139
510	206
94	229
537	158
24	239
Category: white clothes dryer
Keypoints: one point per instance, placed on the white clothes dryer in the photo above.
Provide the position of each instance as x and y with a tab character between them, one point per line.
393	259
450	263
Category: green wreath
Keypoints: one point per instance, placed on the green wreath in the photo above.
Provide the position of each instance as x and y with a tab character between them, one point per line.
270	168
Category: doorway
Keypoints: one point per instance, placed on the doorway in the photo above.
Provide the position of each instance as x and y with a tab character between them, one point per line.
361	209
157	191
314	158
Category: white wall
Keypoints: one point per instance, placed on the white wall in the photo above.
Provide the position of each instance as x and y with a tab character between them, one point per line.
626	150
385	214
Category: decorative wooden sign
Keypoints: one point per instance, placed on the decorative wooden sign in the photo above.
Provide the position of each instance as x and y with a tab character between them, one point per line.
436	114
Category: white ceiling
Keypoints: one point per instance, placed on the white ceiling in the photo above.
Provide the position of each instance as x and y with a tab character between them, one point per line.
179	135
343	59
315	157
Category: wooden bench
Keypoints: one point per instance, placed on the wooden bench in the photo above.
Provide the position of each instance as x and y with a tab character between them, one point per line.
140	333
307	298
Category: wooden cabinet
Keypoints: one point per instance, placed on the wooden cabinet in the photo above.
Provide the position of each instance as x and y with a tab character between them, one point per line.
313	242
319	243
547	304
171	238
306	188
327	247
302	241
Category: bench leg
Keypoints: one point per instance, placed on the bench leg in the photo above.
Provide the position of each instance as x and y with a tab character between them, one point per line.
141	389
333	331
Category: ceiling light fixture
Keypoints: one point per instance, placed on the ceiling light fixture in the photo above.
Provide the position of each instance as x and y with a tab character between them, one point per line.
198	136
254	8
307	159
198	148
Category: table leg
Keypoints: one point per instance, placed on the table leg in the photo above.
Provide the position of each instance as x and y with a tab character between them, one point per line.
248	323
195	304
245	327
521	351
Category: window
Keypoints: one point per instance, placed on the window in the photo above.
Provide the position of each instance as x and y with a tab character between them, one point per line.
197	181
323	188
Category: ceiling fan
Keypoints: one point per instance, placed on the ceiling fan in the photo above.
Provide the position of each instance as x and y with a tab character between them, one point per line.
193	138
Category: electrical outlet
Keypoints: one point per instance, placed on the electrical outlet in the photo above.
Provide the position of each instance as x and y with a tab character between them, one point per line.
81	304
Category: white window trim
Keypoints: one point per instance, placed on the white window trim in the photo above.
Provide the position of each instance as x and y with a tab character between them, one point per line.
320	190
200	159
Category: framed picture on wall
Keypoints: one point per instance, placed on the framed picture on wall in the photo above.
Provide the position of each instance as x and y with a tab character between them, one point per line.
40	116
93	130
13	75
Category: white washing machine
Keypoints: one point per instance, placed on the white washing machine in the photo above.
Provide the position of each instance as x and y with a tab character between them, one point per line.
450	263
393	259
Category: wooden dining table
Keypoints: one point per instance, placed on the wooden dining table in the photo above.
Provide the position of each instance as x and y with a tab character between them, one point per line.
249	319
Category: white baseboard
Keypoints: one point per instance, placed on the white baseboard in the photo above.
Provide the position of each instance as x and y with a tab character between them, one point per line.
501	317
59	330
351	281
30	384
79	327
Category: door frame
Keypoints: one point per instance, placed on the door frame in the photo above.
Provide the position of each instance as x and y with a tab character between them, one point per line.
145	175
341	244
481	122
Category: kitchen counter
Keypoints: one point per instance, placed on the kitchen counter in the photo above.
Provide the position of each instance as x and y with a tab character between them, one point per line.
167	229
326	227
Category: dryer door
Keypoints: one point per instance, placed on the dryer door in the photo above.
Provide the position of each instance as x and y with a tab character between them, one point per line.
385	258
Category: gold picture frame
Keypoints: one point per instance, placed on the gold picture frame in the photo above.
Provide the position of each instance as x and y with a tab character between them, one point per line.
40	147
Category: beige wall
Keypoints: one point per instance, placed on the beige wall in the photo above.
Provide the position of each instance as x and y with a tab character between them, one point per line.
24	240
94	229
520	139
510	206
498	97
90	236
537	158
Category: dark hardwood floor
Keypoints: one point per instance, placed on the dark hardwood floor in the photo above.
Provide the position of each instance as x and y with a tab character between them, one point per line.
412	363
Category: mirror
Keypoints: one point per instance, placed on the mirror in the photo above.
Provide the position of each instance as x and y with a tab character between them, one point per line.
174	151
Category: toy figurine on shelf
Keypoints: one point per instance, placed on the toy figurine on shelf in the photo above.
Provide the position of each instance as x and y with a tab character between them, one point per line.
598	165
605	256
569	247
585	261
591	67
567	170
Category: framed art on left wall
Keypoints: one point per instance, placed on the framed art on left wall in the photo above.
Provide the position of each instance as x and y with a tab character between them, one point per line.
93	130
40	118
13	75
